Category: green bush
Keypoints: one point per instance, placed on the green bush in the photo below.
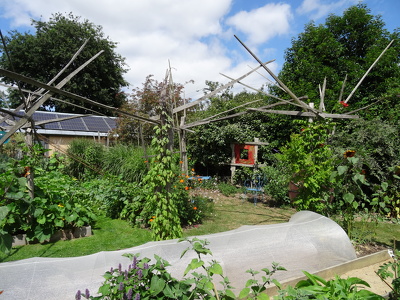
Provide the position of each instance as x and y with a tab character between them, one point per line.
108	195
376	143
53	207
85	158
227	189
309	160
126	161
276	184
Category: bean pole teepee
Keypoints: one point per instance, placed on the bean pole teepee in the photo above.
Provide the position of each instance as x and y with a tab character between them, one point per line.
22	116
307	110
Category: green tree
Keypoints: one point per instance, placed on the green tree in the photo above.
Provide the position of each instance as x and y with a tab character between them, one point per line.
346	46
43	54
209	146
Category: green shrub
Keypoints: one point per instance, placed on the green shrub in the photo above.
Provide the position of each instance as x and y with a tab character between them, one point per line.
377	144
108	195
85	158
126	161
227	189
309	160
53	207
276	184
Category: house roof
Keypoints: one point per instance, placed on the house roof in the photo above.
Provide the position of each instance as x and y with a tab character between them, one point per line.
80	125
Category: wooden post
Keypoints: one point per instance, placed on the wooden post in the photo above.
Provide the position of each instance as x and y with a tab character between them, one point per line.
233	168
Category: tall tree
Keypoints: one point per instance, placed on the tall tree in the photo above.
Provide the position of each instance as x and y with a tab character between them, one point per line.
346	46
43	54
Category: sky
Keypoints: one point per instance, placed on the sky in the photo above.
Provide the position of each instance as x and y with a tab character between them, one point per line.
194	37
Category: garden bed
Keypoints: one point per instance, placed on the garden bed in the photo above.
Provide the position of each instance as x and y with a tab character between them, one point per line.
363	267
65	234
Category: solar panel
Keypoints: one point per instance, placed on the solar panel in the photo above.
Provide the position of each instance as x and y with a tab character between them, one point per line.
96	124
112	123
73	124
88	123
45	116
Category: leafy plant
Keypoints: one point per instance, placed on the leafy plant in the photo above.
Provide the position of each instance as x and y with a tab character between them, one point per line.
391	270
53	206
145	280
315	287
310	161
161	201
126	161
227	189
349	198
86	158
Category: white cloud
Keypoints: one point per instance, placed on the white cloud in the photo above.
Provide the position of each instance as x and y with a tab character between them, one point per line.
318	10
189	34
263	23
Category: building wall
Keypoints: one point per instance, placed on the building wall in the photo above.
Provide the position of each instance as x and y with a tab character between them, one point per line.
59	143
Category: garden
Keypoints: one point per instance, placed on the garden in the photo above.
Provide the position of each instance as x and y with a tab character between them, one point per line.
116	191
167	173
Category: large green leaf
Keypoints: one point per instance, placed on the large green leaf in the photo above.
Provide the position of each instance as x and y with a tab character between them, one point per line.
5	242
3	212
157	284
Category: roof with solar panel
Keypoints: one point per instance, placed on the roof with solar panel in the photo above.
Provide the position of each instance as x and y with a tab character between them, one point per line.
63	123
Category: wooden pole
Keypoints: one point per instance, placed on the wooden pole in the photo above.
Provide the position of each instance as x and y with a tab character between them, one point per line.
366	73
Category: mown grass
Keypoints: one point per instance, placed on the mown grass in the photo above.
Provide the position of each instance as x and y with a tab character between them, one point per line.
229	213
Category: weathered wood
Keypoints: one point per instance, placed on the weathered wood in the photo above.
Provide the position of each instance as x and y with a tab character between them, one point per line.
291	94
305	114
57	90
193	103
322	95
204	121
265	93
366	73
342	89
45	97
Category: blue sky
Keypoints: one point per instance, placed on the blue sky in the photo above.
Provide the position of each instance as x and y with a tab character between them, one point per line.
195	36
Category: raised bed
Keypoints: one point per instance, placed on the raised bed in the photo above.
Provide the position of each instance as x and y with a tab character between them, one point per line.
363	267
65	234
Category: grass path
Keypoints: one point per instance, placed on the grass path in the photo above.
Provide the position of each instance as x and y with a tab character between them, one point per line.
229	213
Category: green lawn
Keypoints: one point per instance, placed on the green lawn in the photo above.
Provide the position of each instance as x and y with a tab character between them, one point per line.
229	213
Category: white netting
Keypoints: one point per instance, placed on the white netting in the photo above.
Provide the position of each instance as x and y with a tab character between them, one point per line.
308	242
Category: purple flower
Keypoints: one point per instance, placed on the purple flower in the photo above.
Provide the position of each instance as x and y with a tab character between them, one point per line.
111	270
137	297
134	264
126	274
140	274
145	266
121	286
130	294
119	268
78	295
87	294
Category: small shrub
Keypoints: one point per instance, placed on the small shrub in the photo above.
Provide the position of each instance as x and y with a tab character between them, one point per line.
85	158
227	189
126	161
276	184
109	195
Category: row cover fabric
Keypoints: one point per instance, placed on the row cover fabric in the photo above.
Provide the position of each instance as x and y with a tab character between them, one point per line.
309	242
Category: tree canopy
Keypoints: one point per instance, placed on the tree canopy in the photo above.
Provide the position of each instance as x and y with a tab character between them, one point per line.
346	46
43	54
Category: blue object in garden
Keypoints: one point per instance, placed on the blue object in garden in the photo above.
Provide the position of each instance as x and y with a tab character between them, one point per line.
2	133
256	187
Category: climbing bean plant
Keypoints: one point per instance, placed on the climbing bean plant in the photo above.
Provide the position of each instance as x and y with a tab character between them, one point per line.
161	198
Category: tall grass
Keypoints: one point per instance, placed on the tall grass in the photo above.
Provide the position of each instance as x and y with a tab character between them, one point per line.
126	161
